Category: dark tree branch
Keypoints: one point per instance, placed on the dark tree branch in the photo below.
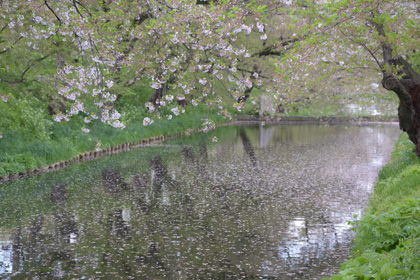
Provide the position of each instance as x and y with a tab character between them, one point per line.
386	47
272	50
364	46
224	86
251	72
290	41
142	17
3	28
165	4
56	16
14	43
77	9
202	2
81	5
30	64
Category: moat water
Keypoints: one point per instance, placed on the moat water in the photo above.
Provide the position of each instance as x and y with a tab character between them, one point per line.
264	202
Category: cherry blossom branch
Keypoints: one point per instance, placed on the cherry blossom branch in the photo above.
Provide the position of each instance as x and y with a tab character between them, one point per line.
77	9
271	50
363	46
56	16
227	90
81	5
14	43
29	66
3	28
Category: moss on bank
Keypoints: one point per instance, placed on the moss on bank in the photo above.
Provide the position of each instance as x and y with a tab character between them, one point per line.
387	245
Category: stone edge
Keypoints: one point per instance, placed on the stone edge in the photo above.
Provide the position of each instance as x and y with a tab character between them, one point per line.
88	156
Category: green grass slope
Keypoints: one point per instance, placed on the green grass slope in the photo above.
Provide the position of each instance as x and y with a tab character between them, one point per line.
387	244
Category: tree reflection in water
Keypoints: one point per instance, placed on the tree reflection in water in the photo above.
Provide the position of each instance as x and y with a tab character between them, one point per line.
193	209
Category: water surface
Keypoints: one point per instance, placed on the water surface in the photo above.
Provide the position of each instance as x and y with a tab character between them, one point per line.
267	202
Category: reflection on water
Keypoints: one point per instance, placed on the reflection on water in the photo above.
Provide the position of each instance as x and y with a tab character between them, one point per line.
6	245
263	203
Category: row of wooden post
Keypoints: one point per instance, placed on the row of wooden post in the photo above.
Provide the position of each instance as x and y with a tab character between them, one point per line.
97	154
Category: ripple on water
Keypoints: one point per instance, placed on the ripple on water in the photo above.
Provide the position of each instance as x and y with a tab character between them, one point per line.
268	202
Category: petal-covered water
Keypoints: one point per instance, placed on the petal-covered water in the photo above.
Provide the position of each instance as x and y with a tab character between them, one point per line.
268	202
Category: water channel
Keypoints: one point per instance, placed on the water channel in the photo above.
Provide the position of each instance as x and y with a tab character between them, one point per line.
264	202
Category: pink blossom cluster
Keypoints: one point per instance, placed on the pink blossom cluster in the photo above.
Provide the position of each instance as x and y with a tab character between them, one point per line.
208	125
164	41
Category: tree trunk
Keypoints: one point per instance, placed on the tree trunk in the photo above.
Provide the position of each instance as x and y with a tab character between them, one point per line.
244	98
407	89
157	95
406	84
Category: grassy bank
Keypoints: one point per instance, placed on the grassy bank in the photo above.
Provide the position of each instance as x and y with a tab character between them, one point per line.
387	244
32	139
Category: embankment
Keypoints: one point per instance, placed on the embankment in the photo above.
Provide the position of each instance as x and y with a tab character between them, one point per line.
387	244
131	138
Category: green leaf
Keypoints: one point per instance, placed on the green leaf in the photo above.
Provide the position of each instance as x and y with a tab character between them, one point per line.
380	19
261	9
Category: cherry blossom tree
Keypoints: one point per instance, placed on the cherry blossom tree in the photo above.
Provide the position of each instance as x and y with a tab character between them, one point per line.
186	49
360	38
103	47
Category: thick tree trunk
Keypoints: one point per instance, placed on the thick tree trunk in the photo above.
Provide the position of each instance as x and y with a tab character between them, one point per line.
406	84
157	95
246	95
407	89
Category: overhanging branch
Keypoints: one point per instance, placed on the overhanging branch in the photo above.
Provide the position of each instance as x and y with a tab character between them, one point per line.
14	43
273	49
29	66
56	16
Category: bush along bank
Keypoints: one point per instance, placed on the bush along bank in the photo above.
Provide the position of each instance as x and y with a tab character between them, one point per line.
31	140
90	155
37	144
387	245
